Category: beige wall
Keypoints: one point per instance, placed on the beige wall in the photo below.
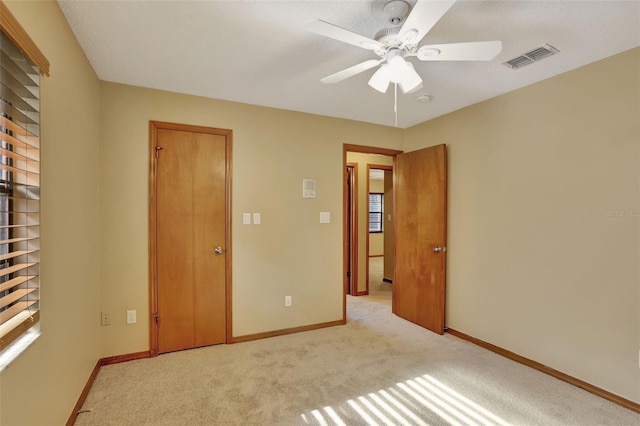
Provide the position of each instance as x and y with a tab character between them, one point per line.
43	384
290	253
535	265
376	241
376	185
376	244
363	205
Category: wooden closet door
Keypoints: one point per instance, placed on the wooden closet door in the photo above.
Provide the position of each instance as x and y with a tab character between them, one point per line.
190	226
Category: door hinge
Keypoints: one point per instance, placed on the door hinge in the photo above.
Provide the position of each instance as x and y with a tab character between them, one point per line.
158	149
156	317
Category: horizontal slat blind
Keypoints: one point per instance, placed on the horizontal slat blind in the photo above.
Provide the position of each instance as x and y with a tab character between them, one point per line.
376	204
19	192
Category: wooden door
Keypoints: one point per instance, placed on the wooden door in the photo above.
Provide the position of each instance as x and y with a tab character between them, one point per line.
420	237
191	235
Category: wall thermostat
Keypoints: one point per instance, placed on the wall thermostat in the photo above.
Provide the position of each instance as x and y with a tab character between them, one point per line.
308	188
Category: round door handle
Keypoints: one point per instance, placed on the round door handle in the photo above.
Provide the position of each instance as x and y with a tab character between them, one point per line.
439	249
218	250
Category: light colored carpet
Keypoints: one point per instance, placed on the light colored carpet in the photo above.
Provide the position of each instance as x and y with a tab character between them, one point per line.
377	369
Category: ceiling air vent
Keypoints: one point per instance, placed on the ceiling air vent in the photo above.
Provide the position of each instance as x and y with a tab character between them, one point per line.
532	56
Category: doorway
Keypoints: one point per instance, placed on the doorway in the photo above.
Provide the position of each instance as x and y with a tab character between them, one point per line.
351	223
419	240
379	225
190	236
358	161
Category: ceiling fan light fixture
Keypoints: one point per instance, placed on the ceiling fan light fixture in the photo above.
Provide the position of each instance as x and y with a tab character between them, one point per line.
397	67
403	73
380	79
410	79
418	87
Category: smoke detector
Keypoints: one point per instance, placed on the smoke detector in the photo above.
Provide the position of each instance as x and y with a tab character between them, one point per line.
423	99
396	11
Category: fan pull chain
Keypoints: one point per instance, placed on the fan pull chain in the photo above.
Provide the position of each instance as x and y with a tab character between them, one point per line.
395	101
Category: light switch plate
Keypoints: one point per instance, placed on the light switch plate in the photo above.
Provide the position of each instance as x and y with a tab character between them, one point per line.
256	218
246	218
131	317
325	217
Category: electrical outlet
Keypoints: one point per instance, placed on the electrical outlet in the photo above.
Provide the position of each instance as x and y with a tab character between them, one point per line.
287	301
105	318
131	317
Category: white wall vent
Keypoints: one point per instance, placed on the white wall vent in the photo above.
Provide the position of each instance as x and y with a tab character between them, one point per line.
532	56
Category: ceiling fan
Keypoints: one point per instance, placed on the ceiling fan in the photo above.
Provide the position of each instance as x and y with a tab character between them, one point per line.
393	45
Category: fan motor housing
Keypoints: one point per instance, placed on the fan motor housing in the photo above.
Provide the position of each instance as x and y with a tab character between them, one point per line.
388	36
396	11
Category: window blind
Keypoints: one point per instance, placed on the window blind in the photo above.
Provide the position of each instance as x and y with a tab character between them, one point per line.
19	192
376	204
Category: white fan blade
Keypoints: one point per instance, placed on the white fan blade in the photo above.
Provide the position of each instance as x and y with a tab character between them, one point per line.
473	51
337	33
351	71
424	15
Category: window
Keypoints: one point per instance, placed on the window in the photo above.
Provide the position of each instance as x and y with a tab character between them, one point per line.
376	207
19	180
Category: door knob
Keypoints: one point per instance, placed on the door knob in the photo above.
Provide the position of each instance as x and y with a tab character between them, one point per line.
439	249
218	250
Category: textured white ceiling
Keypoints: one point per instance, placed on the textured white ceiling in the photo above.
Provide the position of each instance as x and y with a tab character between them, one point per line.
258	52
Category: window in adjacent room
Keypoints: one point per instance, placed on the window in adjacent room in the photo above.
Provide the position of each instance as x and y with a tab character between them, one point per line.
19	186
376	205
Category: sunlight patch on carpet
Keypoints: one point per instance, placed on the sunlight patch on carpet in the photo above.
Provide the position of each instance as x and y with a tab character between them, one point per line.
417	401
